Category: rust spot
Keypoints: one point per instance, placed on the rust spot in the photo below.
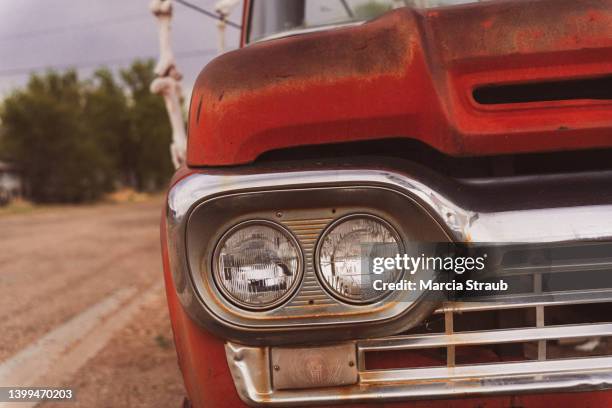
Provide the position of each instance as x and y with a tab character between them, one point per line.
320	56
199	111
529	27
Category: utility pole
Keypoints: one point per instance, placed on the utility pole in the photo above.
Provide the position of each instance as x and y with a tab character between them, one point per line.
224	9
168	81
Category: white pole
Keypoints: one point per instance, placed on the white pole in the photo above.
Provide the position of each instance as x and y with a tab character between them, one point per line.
168	82
221	25
224	9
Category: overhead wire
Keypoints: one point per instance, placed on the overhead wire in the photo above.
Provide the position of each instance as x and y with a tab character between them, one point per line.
114	20
207	13
68	28
113	61
87	64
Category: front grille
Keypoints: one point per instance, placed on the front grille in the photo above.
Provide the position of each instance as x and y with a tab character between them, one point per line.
556	322
551	331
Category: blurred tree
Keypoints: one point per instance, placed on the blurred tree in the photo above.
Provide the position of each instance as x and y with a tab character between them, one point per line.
371	9
77	140
150	133
44	134
106	116
3	153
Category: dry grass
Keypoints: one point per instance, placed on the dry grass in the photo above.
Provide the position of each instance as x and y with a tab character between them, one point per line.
127	195
18	206
124	196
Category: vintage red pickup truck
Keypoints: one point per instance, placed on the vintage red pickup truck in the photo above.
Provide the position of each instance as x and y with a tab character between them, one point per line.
343	124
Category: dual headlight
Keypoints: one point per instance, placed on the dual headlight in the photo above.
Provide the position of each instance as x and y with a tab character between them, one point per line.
259	264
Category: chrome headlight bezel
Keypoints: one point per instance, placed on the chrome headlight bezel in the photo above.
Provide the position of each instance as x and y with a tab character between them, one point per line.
283	231
203	207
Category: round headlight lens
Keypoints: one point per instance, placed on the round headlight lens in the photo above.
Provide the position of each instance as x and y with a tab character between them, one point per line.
257	264
345	255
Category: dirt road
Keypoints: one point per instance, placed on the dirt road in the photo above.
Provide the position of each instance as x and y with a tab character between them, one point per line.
82	306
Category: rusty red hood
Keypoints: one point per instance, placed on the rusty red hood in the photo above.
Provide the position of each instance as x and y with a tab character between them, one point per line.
412	73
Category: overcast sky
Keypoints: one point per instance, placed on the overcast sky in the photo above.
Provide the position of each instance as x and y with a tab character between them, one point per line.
60	33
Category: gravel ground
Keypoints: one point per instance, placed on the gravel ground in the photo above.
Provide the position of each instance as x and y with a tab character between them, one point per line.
136	369
56	263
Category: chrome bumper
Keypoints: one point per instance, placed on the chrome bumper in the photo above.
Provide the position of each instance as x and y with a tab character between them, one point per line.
250	370
250	366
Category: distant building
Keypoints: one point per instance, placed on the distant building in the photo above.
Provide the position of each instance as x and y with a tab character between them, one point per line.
11	185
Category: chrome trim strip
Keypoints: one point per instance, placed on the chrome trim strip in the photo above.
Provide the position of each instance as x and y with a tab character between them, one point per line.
298	31
547	225
485	337
600	264
507	370
543	225
250	368
530	300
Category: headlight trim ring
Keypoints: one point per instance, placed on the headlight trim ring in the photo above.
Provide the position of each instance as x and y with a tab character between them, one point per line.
321	240
295	285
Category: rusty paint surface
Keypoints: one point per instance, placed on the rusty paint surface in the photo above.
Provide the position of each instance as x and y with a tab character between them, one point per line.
410	74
